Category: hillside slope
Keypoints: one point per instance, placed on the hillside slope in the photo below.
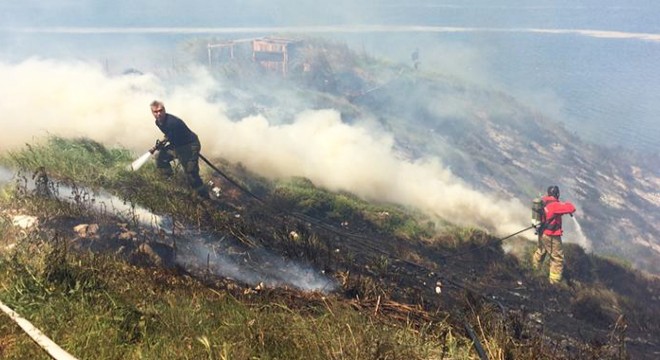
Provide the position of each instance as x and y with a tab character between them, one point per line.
461	278
485	136
289	245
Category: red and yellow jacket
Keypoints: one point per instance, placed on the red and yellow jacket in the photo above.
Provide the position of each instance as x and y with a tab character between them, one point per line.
554	209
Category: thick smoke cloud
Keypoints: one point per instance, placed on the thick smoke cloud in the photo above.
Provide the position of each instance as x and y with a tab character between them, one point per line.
79	99
71	99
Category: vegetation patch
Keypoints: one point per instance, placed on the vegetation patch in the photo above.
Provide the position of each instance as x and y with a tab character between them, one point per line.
405	289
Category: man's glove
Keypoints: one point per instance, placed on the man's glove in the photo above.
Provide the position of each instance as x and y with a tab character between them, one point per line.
159	145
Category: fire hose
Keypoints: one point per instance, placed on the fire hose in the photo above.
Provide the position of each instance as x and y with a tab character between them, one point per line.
470	331
54	350
135	165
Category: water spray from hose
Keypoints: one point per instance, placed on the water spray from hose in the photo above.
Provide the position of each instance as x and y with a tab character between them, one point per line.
580	238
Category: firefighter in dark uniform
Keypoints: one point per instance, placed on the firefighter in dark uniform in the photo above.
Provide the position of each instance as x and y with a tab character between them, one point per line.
180	143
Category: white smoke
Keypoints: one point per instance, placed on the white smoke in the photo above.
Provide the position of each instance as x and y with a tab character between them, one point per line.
5	175
45	97
268	269
79	99
198	250
98	201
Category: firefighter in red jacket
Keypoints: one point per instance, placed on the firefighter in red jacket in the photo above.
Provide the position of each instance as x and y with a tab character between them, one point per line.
550	233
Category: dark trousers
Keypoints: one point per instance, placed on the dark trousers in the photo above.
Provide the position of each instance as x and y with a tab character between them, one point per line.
188	157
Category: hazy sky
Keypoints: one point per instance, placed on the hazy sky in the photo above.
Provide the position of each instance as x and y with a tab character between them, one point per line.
125	13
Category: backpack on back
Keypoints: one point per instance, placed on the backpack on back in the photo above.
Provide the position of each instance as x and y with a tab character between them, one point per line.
539	220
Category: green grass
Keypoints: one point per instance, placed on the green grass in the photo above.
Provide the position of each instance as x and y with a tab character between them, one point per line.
82	159
100	307
96	306
94	166
339	207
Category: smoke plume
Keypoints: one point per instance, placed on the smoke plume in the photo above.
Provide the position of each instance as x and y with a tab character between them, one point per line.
76	99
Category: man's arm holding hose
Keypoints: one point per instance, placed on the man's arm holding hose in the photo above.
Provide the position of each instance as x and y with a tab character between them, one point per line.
160	144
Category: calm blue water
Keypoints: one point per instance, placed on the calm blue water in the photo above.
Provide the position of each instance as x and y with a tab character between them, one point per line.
605	90
608	89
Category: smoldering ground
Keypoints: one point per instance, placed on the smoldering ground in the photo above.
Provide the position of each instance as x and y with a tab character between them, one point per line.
197	250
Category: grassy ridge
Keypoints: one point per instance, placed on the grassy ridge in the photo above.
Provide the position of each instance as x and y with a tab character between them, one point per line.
96	306
99	305
99	308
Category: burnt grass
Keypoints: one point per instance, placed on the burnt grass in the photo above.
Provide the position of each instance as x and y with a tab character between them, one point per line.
604	310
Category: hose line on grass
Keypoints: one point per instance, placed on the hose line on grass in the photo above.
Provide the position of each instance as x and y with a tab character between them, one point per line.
54	350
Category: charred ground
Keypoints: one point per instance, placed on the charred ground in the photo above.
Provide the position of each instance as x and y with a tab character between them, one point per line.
460	277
